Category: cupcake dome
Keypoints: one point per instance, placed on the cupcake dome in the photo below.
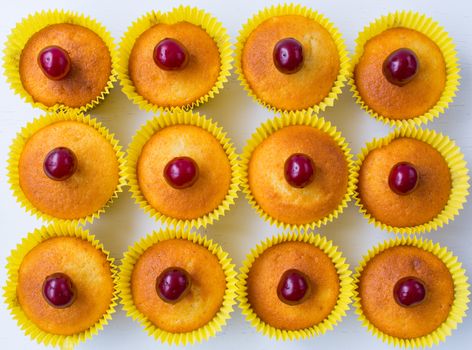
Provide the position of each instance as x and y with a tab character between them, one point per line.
205	293
298	171
90	66
415	97
213	177
426	200
92	179
267	272
378	281
91	277
291	58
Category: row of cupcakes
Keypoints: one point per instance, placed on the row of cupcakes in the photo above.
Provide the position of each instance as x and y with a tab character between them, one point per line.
288	57
63	287
296	171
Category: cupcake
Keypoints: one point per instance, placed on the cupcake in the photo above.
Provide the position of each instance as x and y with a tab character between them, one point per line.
411	292
61	285
182	169
405	69
177	59
178	285
291	58
65	166
411	181
60	59
294	285
297	171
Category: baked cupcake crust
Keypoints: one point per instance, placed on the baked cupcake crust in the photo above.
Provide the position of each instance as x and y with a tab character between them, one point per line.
90	272
418	207
377	282
181	87
264	276
90	66
304	89
413	99
88	189
214	178
298	205
204	299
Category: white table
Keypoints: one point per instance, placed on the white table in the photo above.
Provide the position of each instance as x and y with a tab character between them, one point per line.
241	228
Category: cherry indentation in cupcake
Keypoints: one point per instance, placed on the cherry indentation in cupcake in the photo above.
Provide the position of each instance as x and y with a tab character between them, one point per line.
173	284
55	62
181	172
288	55
403	178
299	170
401	66
60	164
409	291
294	287
59	291
170	54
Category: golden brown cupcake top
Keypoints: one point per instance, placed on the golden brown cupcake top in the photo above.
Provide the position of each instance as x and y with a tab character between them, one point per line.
90	273
174	88
289	204
214	172
416	97
376	291
90	66
202	301
420	206
303	89
266	272
88	189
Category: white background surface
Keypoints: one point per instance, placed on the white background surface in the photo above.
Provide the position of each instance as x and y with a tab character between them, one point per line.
241	228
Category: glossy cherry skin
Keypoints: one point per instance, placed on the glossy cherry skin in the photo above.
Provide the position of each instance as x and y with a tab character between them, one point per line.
181	172
409	291
173	284
400	67
169	54
288	55
59	291
54	62
403	178
299	170
293	287
60	164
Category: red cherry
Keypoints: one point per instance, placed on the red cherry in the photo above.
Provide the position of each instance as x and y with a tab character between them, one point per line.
60	164
299	170
169	54
293	287
54	62
409	291
400	67
403	178
173	284
288	55
59	291
181	172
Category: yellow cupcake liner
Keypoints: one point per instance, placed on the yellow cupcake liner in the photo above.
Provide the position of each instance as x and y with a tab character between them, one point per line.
18	144
14	261
293	9
181	117
179	14
345	292
30	25
203	333
457	167
461	292
430	28
271	126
